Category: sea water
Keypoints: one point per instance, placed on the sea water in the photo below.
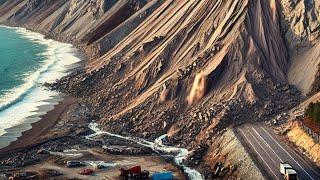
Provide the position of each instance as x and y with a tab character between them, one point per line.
27	60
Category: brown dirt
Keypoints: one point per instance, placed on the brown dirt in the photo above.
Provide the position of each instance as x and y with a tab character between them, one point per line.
150	163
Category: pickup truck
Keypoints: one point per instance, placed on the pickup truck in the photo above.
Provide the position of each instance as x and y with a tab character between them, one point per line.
288	172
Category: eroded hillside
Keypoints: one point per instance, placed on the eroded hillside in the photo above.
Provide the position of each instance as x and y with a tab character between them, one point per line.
75	21
188	68
191	68
301	24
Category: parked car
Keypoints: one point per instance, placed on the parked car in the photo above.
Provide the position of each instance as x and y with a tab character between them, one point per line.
162	176
86	171
72	164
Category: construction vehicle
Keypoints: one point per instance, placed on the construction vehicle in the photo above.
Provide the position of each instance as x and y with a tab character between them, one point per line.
288	172
134	173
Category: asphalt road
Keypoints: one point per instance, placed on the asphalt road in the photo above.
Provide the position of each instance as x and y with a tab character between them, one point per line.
269	150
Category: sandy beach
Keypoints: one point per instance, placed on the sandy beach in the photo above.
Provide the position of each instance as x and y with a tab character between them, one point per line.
31	137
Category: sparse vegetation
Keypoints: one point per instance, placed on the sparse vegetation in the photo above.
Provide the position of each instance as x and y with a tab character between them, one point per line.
313	111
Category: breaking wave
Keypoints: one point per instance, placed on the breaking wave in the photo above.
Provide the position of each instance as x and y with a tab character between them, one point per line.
24	101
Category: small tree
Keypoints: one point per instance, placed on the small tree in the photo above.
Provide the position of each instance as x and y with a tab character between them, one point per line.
313	111
309	110
316	113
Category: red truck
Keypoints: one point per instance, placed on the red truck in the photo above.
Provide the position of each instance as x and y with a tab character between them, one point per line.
134	173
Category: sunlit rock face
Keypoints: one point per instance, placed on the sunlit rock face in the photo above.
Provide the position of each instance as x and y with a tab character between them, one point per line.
157	62
303	21
301	28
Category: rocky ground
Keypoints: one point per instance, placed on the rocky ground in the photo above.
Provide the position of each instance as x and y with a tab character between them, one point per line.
231	160
286	125
53	165
189	69
48	158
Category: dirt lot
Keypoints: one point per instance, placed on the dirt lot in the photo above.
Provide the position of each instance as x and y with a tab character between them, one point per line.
57	161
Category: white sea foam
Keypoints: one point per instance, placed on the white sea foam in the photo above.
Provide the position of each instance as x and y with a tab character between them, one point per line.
24	101
57	54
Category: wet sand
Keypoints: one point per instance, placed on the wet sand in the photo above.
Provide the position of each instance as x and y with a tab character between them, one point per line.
48	120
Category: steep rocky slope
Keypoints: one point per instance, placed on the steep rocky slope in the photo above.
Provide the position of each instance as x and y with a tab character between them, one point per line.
186	68
301	21
74	21
205	61
231	157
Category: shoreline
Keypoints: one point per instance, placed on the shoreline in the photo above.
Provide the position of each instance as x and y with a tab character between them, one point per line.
48	120
35	126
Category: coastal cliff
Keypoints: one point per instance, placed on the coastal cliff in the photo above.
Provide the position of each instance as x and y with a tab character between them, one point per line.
189	69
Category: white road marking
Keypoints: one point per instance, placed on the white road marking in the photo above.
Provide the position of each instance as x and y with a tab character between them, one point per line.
266	143
263	148
288	154
306	163
259	154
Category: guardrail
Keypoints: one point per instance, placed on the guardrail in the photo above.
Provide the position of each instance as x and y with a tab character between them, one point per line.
314	135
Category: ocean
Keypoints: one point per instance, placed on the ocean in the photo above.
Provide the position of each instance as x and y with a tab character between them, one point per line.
27	60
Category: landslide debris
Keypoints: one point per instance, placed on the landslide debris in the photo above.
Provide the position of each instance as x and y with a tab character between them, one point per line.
186	68
191	68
